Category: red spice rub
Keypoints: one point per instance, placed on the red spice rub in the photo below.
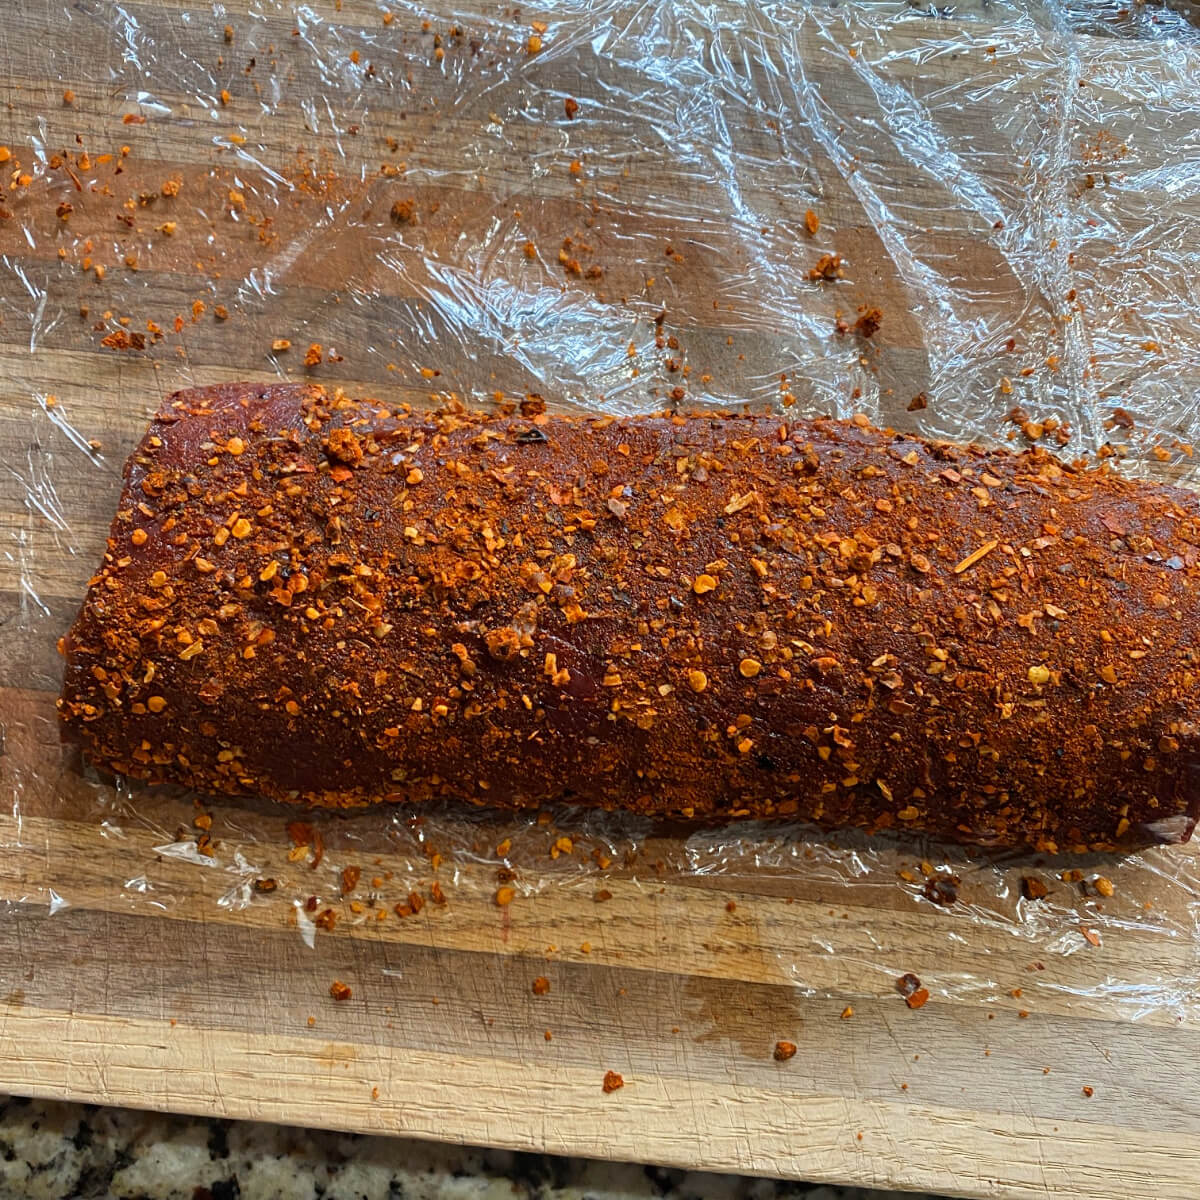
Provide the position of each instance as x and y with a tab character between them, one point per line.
332	602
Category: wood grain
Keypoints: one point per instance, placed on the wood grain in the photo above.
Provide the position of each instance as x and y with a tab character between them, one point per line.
133	969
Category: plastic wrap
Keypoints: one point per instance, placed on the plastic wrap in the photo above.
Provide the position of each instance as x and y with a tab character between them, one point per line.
599	205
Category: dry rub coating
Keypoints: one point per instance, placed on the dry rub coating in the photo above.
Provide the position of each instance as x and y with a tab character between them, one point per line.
330	602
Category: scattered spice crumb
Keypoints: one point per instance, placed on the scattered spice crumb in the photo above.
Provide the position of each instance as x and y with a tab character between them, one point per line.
403	211
505	896
570	107
541	985
868	322
909	986
811	222
847	1013
1088	1091
1033	888
828	267
612	1081
280	345
784	1051
942	889
918	403
339	991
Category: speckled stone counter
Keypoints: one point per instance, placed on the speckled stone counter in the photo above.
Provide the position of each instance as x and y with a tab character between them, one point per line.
53	1151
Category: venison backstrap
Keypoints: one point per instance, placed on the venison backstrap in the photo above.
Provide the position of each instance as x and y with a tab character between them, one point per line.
334	602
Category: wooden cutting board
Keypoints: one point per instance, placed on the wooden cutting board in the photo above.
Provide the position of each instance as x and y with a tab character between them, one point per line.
137	969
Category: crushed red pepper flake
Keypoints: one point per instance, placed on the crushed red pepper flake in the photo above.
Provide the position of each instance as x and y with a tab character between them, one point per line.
1033	888
942	890
828	267
612	1082
909	986
869	321
305	835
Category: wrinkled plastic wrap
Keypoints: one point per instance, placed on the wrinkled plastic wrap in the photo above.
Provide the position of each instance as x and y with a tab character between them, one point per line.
598	204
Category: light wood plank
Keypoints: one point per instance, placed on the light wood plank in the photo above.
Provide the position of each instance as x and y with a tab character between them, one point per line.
150	1064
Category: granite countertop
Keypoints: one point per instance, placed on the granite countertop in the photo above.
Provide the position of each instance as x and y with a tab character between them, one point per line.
50	1150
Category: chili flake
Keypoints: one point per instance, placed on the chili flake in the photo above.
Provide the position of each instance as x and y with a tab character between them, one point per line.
909	986
1033	888
828	267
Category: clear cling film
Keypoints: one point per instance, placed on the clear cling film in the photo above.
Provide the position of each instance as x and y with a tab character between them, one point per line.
977	222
